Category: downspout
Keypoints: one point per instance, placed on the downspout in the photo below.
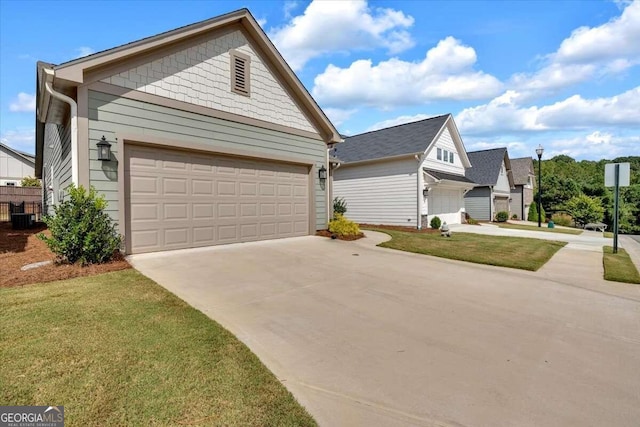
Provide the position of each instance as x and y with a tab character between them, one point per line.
74	127
491	203
420	185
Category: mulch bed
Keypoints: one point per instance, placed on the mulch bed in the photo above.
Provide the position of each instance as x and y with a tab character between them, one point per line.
22	247
327	233
401	228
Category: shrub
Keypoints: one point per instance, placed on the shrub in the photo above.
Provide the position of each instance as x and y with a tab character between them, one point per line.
585	209
472	221
435	222
502	216
343	226
533	213
339	206
80	229
562	219
29	181
514	216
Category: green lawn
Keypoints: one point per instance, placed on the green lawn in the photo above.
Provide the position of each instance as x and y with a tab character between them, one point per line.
608	234
543	228
619	267
117	349
514	252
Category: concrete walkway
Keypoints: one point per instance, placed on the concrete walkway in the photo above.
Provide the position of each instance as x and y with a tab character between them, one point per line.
367	336
632	246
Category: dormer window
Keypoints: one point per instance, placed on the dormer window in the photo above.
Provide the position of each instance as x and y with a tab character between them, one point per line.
444	155
240	73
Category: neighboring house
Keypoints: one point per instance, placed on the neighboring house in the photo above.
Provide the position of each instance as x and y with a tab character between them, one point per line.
404	175
213	137
522	193
491	171
14	165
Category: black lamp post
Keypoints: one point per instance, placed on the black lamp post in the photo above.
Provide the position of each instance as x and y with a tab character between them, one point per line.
539	152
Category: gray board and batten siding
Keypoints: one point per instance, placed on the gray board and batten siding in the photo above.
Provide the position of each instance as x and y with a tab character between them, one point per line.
110	115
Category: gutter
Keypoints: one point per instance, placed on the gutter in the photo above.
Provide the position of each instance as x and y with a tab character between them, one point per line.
74	123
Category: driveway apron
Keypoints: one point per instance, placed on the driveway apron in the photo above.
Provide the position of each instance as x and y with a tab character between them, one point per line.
370	336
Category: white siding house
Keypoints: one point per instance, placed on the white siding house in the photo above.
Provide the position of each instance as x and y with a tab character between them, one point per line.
14	165
403	175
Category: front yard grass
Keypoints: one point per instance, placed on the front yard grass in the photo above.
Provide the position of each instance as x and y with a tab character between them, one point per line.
117	349
544	228
619	267
513	252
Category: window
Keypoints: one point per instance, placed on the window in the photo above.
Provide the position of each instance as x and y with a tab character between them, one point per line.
450	157
439	153
240	76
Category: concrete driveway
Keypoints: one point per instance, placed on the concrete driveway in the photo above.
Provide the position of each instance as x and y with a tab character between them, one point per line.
369	336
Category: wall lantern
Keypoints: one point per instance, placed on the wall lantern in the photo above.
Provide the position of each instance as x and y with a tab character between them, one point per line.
425	192
322	173
104	149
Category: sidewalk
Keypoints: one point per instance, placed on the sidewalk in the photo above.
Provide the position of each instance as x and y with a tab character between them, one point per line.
632	247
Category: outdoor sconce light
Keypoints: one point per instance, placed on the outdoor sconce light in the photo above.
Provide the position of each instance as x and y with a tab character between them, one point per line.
322	173
425	192
104	149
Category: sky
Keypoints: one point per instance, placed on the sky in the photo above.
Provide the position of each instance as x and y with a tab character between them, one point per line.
516	74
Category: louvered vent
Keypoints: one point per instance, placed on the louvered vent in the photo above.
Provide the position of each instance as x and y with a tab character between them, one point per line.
240	73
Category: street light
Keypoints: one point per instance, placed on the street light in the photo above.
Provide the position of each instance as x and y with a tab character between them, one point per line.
539	152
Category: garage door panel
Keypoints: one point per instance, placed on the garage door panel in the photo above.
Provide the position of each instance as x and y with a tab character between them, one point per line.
181	199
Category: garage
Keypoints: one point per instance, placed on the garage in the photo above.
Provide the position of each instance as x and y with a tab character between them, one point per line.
181	199
446	204
501	204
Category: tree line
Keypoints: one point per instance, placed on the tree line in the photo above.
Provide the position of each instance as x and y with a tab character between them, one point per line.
566	182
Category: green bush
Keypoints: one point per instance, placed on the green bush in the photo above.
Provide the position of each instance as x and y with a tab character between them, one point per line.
435	222
339	206
533	213
514	216
562	219
343	227
472	221
29	181
80	229
502	216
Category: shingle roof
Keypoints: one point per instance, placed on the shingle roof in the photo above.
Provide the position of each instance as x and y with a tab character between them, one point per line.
485	166
408	138
27	157
448	176
521	169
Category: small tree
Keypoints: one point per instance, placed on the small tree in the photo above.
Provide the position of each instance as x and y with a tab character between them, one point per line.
533	213
81	231
585	209
339	206
29	181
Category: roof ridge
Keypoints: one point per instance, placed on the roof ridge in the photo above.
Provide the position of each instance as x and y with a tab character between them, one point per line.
399	125
487	149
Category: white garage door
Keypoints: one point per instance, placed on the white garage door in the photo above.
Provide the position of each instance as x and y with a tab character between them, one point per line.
446	204
178	199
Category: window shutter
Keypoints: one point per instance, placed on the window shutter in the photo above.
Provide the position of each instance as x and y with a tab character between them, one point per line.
240	77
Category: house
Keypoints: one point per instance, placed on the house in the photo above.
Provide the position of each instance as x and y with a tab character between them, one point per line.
404	175
213	139
491	171
14	165
522	193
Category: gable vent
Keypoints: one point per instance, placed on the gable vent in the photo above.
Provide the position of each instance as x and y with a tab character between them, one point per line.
240	77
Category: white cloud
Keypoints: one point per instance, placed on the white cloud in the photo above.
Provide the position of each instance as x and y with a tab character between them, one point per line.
595	145
84	51
20	139
24	102
339	115
588	53
446	73
503	114
397	121
261	21
289	7
339	26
